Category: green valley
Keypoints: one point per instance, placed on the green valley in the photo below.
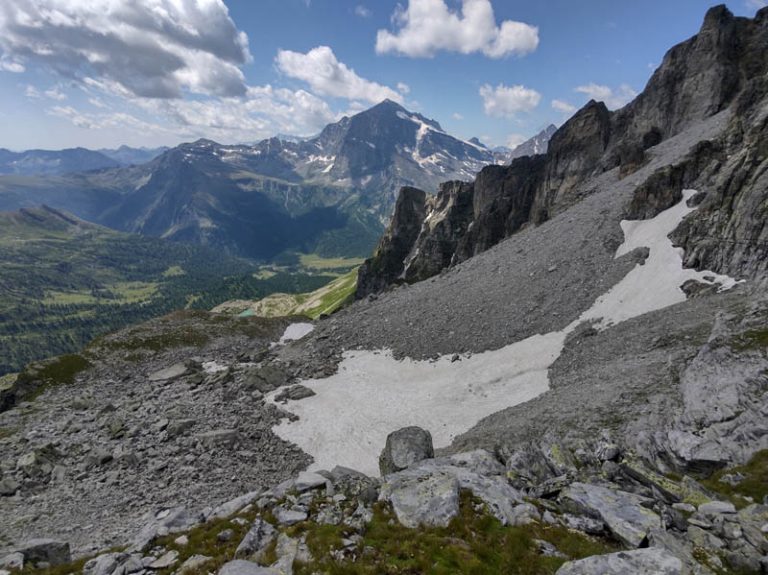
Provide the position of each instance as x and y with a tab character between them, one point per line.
64	281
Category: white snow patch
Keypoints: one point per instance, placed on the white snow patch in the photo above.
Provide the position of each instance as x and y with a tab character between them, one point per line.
372	394
347	421
296	331
656	283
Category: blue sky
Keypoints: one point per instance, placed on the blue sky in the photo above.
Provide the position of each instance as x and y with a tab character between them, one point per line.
100	73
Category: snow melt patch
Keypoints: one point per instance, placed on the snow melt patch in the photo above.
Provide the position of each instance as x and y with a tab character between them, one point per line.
347	421
296	331
655	284
372	394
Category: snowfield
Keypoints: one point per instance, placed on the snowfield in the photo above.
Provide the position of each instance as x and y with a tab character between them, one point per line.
372	394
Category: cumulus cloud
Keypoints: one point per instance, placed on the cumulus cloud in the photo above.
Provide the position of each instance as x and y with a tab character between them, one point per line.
563	106
148	48
55	93
508	101
613	99
457	116
9	65
263	112
362	11
756	4
328	77
426	27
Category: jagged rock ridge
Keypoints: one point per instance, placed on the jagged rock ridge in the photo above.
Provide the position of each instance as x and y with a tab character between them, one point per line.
722	68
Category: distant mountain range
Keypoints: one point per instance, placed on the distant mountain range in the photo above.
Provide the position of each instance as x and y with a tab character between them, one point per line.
127	156
330	194
72	160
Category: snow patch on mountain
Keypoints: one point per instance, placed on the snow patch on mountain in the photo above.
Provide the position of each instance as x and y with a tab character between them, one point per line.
372	394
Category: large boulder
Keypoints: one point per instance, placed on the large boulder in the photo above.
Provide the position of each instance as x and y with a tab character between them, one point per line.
405	447
45	551
483	475
624	513
653	561
422	498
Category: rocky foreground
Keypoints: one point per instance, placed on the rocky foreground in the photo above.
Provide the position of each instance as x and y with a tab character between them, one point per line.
154	449
595	510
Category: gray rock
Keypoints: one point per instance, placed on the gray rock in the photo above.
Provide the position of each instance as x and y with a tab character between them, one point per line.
289	516
12	561
45	551
164	561
622	512
132	564
194	563
105	564
175	520
524	514
175	371
218	438
179	427
481	473
240	567
307	480
585	524
422	499
258	538
405	447
717	508
234	505
294	393
652	561
287	551
8	487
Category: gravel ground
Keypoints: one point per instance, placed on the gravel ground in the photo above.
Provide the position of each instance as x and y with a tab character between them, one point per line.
117	444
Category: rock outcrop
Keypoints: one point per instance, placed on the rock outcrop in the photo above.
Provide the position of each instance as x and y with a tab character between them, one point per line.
388	262
404	448
720	70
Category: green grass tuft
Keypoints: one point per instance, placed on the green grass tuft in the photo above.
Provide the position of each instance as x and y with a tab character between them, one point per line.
754	484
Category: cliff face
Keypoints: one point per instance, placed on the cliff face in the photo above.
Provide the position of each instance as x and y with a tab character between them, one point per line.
724	67
387	264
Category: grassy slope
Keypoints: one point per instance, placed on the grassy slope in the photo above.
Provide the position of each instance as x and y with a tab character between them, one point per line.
323	301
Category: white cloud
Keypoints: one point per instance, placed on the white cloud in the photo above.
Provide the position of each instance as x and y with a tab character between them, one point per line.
426	27
329	77
149	48
514	140
613	99
55	93
457	116
8	65
756	4
563	106
508	101
362	11
107	121
32	92
403	88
